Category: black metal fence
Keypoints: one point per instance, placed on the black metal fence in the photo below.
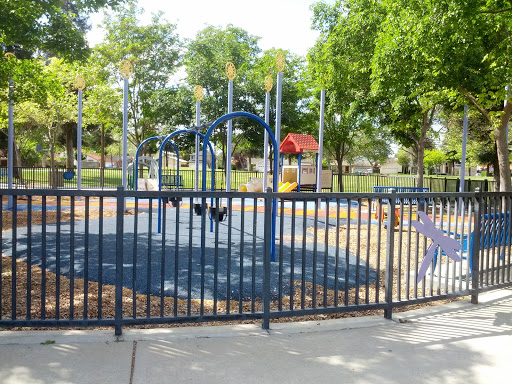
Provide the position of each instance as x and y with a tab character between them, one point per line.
118	258
363	183
110	178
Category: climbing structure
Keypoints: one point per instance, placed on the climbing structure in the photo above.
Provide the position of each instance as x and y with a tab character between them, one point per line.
303	175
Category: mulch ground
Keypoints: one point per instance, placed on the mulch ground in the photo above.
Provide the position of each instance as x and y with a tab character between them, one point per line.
368	251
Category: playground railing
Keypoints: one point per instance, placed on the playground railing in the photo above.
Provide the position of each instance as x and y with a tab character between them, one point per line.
363	183
110	178
118	258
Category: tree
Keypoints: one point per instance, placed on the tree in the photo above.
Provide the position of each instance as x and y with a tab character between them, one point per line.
54	108
53	26
154	51
403	159
467	49
102	106
205	62
27	84
373	146
340	63
433	158
401	72
340	134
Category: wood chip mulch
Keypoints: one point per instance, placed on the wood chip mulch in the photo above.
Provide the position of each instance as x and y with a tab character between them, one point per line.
154	306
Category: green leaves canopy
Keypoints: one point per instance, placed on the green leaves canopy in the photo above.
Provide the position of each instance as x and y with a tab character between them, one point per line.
53	26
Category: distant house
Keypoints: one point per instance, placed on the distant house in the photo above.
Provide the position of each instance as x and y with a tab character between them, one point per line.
391	166
360	165
112	161
91	161
171	161
192	159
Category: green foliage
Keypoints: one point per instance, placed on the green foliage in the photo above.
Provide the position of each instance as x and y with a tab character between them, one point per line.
55	27
373	146
153	50
340	64
403	158
433	158
460	47
205	62
30	156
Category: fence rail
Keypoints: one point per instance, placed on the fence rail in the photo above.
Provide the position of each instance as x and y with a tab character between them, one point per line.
110	178
118	258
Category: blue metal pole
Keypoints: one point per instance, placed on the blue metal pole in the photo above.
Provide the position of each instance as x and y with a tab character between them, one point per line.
320	143
125	136
10	144
299	171
279	91
79	143
229	138
316	178
265	142
196	162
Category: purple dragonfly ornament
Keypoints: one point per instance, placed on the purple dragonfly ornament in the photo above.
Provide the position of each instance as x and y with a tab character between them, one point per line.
439	239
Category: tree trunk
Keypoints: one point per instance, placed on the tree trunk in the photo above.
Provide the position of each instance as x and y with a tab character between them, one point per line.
496	176
500	134
421	147
502	150
53	173
18	173
339	162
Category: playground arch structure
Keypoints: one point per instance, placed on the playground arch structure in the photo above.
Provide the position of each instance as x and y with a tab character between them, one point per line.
207	144
275	181
166	139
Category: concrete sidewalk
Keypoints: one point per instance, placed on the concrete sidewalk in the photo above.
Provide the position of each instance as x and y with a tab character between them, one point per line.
453	343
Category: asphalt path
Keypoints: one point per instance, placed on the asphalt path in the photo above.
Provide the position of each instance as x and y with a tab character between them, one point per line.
220	264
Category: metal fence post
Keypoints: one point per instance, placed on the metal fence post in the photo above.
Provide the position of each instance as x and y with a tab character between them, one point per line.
390	250
267	258
119	260
475	253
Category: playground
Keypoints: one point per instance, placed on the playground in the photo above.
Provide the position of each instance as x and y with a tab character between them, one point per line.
237	274
246	250
264	244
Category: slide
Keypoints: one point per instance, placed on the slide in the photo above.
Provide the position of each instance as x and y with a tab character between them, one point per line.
255	185
287	187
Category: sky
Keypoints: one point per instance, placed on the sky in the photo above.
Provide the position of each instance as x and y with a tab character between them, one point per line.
284	24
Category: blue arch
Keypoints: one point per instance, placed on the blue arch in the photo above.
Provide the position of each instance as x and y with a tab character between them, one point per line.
160	151
135	181
181	131
231	116
234	115
165	141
